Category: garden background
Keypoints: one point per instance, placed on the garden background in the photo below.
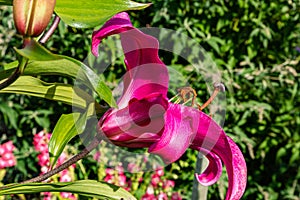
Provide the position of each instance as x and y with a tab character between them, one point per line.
256	46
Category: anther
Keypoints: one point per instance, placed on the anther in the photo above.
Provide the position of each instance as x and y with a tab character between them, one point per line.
186	93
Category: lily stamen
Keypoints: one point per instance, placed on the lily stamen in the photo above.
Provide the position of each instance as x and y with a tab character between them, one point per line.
187	101
187	91
218	87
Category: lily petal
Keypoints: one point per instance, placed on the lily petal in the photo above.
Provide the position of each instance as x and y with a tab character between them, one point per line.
117	24
142	120
185	126
177	135
210	136
146	73
213	171
145	92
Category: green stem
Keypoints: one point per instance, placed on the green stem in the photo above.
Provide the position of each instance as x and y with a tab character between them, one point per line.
14	76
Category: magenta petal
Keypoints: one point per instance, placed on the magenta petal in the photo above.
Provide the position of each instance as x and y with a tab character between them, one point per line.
146	73
147	80
117	24
141	121
211	137
237	183
213	171
177	134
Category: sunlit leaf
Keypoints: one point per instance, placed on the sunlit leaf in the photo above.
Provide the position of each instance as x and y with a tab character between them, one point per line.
63	132
89	188
67	94
67	127
43	62
91	13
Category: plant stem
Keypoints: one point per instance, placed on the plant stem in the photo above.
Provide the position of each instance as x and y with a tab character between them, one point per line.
14	76
66	164
51	30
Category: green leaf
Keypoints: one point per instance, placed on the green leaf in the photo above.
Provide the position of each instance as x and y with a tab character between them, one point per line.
67	127
11	114
54	91
91	13
6	70
43	62
6	2
63	132
89	188
214	43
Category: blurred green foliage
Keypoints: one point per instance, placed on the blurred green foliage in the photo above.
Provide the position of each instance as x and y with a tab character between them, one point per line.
254	44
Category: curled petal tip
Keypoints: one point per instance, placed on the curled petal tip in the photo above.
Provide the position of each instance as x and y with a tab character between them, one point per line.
213	171
211	137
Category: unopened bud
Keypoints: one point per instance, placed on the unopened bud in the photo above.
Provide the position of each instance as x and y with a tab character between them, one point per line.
32	16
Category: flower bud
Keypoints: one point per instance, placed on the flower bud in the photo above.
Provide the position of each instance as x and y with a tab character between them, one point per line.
32	16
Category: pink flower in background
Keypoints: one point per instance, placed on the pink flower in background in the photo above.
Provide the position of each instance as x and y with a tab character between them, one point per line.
176	196
146	118
40	142
149	195
65	176
160	172
47	196
97	156
133	167
168	184
155	180
68	195
162	196
7	158
117	177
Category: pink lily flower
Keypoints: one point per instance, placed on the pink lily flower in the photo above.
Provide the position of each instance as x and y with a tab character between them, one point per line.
146	118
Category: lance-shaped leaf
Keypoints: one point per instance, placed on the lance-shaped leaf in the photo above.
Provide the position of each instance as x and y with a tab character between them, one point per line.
64	93
63	132
43	62
89	188
67	127
91	13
